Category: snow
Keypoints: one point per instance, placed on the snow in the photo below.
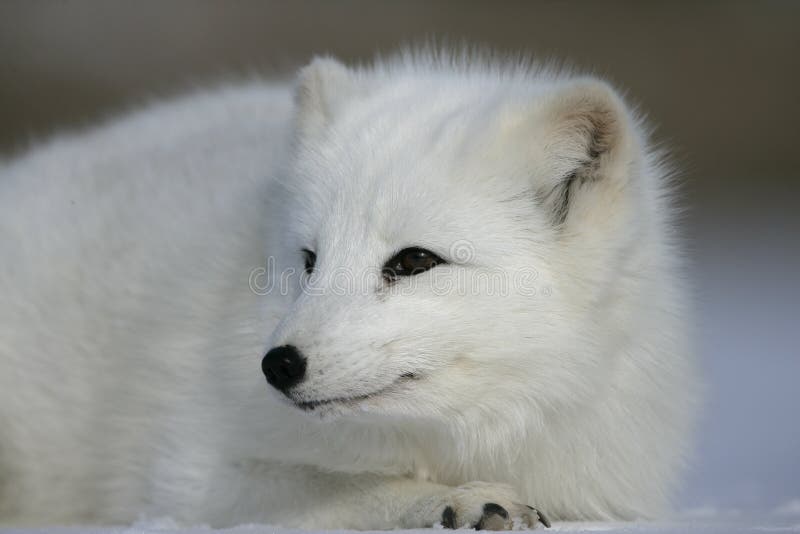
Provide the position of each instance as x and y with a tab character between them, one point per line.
747	294
788	509
710	527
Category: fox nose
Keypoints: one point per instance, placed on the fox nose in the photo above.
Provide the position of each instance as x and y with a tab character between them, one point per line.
284	367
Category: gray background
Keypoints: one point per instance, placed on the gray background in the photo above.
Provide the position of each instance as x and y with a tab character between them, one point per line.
719	80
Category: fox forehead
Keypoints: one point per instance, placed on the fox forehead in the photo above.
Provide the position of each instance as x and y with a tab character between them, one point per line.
376	220
426	177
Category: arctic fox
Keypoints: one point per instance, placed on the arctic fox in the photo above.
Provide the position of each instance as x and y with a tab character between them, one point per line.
459	277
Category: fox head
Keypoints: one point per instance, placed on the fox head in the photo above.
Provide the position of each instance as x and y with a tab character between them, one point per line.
456	234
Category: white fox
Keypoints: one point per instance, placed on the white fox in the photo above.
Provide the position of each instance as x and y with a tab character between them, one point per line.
460	278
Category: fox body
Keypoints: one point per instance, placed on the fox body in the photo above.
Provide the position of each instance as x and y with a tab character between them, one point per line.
463	274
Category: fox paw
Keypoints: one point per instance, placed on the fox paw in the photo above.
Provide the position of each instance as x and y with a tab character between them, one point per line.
485	506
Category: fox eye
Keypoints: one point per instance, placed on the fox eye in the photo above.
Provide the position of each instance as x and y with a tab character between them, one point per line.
311	260
410	261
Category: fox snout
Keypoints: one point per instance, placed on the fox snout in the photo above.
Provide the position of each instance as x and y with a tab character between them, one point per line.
284	367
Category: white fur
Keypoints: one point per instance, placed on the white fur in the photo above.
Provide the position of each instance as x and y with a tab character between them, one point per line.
131	339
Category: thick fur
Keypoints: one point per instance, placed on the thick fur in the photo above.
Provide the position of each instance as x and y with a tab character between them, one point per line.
150	263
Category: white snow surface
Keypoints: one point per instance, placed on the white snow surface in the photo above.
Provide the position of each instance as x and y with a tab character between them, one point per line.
168	526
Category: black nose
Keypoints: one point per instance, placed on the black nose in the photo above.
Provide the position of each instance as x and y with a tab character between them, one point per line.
284	367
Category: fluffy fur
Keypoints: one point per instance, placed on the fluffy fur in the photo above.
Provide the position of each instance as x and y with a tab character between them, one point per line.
150	263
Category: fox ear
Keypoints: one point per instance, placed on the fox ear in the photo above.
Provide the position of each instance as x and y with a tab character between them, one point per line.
587	146
322	86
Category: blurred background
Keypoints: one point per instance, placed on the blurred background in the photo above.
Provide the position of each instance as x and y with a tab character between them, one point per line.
720	81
